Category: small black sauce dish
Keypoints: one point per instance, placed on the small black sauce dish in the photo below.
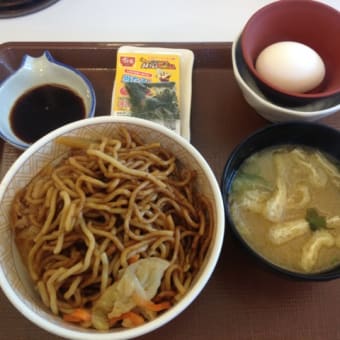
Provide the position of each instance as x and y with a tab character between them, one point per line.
315	135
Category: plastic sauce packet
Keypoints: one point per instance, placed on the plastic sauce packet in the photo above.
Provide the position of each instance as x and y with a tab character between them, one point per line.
154	83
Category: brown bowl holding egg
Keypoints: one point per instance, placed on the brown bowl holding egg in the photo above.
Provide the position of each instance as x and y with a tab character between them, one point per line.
310	23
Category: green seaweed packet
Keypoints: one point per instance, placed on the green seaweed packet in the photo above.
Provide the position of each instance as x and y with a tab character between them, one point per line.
154	84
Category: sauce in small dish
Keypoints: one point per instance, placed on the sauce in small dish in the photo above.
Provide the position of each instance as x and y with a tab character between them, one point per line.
42	95
50	105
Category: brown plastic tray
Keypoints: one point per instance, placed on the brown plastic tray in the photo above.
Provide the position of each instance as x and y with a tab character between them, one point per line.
242	300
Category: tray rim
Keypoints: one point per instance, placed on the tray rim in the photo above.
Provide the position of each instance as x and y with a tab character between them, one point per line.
115	44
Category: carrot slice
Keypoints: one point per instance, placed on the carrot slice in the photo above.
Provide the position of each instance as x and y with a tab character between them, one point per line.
157	307
134	318
147	304
133	259
78	315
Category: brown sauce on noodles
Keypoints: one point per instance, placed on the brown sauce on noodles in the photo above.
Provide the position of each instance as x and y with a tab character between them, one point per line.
111	203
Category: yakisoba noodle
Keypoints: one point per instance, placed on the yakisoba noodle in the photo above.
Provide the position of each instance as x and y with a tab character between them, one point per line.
112	212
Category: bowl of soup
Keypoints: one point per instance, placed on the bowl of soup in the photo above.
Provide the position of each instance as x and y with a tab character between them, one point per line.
281	189
111	227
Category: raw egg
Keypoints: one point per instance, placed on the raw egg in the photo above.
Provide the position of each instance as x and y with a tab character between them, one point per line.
291	66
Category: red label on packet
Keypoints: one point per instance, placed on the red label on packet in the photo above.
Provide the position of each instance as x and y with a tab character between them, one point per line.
127	61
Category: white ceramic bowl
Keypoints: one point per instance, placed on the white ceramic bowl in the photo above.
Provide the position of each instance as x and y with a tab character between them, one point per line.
267	109
13	277
35	72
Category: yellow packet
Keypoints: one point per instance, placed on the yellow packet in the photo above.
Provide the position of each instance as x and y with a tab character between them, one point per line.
148	85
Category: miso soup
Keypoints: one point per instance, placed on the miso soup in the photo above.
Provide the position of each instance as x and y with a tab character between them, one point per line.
284	201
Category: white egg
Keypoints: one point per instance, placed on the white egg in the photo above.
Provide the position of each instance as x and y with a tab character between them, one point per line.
291	66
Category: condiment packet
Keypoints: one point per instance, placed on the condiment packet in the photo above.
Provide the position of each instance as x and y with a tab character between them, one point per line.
154	83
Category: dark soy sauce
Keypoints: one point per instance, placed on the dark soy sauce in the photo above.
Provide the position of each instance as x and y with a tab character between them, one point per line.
44	109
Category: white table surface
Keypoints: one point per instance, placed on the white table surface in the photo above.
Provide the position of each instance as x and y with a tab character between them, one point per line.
135	21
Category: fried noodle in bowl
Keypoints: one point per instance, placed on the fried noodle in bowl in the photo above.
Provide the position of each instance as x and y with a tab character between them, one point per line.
122	229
